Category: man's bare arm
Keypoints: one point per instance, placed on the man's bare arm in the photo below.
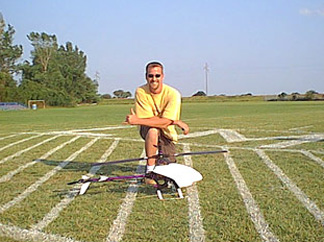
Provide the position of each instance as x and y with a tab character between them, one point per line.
156	122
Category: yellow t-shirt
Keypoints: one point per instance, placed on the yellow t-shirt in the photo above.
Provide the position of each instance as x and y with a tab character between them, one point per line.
166	104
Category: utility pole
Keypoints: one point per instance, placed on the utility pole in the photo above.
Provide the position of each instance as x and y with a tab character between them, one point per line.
97	78
206	77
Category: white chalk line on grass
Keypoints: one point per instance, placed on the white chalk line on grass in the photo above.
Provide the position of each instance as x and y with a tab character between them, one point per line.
43	179
54	213
251	205
231	135
299	128
196	230
20	141
20	234
27	149
119	223
69	133
118	228
104	157
94	169
228	134
313	157
298	140
103	128
301	196
11	174
83	132
9	136
198	134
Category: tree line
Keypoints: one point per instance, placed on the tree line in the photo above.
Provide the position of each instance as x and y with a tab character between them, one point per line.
55	73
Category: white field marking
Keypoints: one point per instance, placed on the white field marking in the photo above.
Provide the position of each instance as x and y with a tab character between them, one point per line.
107	136
55	212
20	234
69	133
299	128
202	145
43	179
20	141
271	131
311	138
318	152
104	128
313	157
198	134
228	134
285	144
104	157
9	136
83	133
27	149
231	135
118	228
196	230
248	148
300	140
251	205
301	196
10	174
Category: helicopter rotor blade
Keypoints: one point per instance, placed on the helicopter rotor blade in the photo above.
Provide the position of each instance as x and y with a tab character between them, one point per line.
120	161
201	153
158	156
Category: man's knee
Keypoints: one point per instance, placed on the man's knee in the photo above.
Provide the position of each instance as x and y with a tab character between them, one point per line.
152	134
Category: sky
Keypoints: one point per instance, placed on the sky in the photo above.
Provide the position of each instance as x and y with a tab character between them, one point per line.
250	46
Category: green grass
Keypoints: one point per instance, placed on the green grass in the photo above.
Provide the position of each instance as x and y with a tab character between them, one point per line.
224	213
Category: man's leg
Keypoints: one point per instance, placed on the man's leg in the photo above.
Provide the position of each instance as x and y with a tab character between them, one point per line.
168	148
151	146
151	137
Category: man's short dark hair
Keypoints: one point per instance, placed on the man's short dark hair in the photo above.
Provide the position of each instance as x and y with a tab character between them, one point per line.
152	65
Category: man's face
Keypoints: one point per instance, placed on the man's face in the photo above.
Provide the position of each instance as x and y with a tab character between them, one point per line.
154	79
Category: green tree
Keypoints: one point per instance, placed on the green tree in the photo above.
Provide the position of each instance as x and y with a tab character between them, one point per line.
72	65
282	96
45	47
295	95
118	93
199	93
106	96
122	94
309	95
59	71
9	54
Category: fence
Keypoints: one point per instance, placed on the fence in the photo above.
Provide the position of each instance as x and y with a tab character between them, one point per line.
11	106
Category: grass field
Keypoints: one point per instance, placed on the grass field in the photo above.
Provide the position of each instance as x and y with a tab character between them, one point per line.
268	187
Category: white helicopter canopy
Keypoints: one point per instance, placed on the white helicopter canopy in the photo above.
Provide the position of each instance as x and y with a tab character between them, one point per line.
183	176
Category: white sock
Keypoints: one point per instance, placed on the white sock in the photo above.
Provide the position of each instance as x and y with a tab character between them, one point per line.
149	168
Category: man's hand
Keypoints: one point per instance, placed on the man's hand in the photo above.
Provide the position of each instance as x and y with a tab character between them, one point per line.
131	118
183	126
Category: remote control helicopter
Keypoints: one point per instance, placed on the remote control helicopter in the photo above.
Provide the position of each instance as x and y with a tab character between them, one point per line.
166	174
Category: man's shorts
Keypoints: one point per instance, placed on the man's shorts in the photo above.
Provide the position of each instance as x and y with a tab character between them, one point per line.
167	146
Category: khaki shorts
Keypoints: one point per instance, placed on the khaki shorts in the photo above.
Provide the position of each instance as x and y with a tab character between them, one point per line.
167	146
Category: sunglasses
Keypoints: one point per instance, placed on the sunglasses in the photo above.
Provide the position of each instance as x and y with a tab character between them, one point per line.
156	75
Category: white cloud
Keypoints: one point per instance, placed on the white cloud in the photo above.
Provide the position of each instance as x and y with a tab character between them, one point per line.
309	12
